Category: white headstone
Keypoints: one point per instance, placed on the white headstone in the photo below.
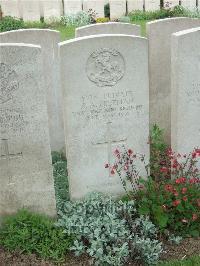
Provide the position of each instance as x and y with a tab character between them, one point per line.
151	5
108	28
186	90
30	10
48	40
135	5
52	9
72	6
10	8
168	4
106	106
159	34
189	4
25	160
117	8
95	5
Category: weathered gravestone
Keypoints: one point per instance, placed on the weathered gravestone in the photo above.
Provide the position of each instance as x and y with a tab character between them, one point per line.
72	6
189	4
151	5
186	90
159	35
30	10
25	160
108	28
95	5
105	85
135	5
48	40
52	9
10	8
117	8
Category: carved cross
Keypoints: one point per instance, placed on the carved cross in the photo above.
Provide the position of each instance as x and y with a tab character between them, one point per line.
7	155
109	142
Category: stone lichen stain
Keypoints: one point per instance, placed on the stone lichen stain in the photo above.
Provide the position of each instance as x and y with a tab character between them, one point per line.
8	83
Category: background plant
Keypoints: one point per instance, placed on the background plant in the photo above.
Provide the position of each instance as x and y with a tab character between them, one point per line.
60	179
81	18
10	23
109	231
33	233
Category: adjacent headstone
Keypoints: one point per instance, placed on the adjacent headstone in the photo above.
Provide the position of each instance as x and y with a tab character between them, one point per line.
52	9
170	4
108	28
186	90
94	5
10	8
135	5
48	40
159	34
30	10
25	160
72	6
189	4
117	8
151	5
106	102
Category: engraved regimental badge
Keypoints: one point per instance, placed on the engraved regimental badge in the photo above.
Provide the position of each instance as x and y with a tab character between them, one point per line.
105	67
8	83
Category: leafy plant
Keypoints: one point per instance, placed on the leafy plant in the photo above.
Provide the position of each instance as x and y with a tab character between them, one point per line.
109	231
60	178
102	20
81	18
124	19
107	10
33	233
10	23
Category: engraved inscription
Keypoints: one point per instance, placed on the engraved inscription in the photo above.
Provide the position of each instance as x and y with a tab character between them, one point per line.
7	156
108	106
109	141
8	83
12	119
105	67
193	93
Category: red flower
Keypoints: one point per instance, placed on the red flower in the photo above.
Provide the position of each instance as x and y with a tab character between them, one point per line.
175	193
112	172
106	165
184	198
130	152
194	216
116	152
184	190
176	203
168	187
163	170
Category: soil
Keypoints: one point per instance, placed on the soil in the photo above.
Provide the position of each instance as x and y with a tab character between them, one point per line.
189	247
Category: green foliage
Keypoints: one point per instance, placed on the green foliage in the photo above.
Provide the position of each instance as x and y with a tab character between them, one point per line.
193	261
109	231
107	10
102	20
171	205
177	11
124	19
10	23
33	233
158	149
60	178
81	18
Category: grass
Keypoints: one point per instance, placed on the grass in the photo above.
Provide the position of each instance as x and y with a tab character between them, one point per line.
68	33
193	261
